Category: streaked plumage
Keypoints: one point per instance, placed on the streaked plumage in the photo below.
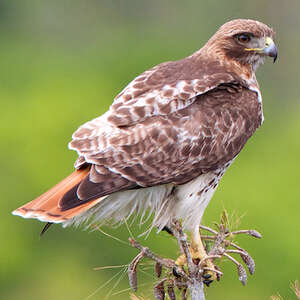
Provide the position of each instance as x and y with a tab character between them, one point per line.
167	139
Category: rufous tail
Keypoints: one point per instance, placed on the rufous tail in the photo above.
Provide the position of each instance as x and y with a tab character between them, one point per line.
47	208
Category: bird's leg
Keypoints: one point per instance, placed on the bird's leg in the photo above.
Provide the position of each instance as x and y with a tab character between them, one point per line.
199	254
197	248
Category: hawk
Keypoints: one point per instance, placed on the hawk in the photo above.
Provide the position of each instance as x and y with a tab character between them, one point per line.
167	139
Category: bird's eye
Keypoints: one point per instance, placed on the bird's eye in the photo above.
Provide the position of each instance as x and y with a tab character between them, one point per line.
243	38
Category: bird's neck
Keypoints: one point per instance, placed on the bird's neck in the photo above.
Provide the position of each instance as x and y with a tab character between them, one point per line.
243	70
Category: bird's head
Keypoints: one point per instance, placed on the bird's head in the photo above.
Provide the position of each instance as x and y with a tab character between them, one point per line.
245	41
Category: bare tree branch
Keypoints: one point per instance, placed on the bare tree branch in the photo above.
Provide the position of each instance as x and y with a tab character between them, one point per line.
192	278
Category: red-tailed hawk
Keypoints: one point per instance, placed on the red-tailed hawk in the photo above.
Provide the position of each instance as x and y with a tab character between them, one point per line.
167	139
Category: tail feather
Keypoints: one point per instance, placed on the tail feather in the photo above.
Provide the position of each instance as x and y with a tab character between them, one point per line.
47	207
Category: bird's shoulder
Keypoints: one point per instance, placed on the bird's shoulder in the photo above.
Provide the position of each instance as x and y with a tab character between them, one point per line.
168	87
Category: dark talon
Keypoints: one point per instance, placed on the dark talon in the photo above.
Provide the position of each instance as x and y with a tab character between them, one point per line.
167	229
207	282
206	276
175	273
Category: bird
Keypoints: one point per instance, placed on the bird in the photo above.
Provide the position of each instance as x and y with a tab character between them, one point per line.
167	139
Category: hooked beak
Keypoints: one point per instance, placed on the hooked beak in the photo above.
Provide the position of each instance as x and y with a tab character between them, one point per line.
270	49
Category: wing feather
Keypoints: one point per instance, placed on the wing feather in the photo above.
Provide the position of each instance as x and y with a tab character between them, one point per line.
161	91
167	88
177	148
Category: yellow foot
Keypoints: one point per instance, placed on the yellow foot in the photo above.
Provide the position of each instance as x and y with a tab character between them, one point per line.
198	254
181	260
209	273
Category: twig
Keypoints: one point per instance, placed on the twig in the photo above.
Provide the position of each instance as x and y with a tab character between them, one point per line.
159	290
213	270
237	247
132	274
208	229
251	232
182	241
201	263
168	263
247	259
240	269
295	287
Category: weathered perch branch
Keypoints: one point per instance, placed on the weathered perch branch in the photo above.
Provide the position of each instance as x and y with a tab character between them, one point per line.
193	277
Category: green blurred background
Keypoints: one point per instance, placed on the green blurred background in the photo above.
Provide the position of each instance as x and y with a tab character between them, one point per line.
61	64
